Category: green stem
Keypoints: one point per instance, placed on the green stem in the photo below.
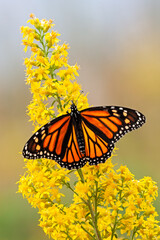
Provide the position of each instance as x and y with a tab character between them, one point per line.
69	186
135	228
81	175
41	39
67	235
45	51
97	233
95	202
59	102
93	214
114	227
87	232
134	231
115	222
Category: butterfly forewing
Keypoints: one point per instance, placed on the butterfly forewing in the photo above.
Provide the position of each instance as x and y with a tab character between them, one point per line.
112	122
49	141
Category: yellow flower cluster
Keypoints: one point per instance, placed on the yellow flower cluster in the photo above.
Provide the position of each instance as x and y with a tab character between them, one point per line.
108	203
111	202
51	78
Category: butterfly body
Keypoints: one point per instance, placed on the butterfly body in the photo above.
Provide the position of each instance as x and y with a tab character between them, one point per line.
77	122
80	136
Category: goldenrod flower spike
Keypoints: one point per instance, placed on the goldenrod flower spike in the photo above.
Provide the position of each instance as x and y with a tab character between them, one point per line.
107	203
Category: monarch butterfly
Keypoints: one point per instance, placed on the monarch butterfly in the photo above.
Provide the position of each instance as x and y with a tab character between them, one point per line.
82	136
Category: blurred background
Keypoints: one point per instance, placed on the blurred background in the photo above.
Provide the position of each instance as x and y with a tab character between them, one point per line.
117	45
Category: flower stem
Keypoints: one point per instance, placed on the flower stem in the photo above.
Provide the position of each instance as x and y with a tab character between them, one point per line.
41	35
80	174
89	204
97	233
87	232
95	201
114	227
133	234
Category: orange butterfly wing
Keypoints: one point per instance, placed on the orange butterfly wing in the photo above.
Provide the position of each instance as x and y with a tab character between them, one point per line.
73	157
56	140
92	138
103	126
49	140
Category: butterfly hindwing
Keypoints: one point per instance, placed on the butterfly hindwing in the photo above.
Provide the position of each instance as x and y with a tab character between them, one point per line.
96	149
73	158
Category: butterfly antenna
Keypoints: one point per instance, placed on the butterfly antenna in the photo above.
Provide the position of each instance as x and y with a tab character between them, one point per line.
76	102
79	96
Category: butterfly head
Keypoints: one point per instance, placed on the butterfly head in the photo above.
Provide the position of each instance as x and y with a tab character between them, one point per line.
73	107
74	110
